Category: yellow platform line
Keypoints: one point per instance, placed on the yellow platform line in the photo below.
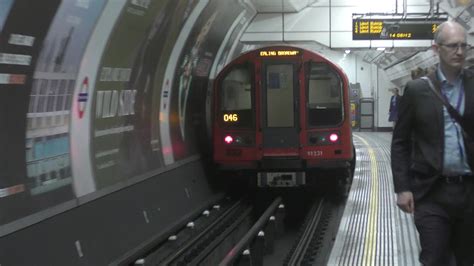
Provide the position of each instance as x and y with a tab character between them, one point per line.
370	244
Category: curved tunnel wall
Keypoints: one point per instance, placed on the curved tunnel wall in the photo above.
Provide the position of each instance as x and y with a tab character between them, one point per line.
103	118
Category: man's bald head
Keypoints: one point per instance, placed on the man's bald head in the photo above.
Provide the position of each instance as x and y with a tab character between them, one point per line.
447	26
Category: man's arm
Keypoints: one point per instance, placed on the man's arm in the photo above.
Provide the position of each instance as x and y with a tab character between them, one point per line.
401	150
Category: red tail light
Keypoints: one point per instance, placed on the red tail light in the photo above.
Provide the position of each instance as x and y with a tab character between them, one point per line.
228	139
333	137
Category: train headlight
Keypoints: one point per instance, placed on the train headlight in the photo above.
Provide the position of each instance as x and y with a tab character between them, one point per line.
324	138
238	139
228	139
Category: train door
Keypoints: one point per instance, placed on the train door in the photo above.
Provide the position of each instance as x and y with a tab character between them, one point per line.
280	123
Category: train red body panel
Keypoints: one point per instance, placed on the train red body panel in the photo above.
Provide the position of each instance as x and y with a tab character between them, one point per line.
282	109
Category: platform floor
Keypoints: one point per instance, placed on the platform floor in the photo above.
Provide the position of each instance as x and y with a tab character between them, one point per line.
373	230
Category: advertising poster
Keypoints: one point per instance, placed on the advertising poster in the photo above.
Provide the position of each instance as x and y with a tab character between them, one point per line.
21	39
187	122
162	81
125	140
231	44
82	114
5	6
48	119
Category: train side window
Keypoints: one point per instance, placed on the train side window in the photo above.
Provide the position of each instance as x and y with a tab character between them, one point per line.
324	95
236	97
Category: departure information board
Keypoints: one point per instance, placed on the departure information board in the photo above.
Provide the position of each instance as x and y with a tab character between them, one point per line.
394	29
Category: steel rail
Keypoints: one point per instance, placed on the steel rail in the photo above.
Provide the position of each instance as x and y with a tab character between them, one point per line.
300	250
191	242
251	234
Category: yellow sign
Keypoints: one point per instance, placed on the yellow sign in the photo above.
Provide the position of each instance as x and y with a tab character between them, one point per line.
394	29
231	118
280	53
400	35
369	27
376	26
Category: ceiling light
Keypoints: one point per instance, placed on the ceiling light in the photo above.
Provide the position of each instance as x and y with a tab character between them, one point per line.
347	51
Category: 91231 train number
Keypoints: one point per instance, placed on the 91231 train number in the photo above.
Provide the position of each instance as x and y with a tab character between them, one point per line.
314	153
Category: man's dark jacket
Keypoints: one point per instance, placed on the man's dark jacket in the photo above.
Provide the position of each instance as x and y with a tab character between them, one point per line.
418	138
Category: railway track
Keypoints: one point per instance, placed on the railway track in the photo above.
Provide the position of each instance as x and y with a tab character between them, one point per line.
234	232
318	234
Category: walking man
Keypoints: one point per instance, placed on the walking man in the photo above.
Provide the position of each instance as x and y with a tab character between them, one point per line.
432	167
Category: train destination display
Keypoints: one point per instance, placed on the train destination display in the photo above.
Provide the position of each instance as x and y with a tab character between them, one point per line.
264	53
394	29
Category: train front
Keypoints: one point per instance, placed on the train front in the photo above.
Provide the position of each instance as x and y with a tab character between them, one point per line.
281	117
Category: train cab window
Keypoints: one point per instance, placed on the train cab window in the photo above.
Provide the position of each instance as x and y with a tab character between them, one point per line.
280	96
324	96
236	98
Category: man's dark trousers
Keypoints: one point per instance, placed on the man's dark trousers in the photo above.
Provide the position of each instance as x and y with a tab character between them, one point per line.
445	220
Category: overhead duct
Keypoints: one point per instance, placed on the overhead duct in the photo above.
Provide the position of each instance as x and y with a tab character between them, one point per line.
405	7
286	6
431	8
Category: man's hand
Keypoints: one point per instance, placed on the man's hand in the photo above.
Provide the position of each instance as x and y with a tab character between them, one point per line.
405	201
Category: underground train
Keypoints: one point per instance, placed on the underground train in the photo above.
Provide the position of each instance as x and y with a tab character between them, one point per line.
281	117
